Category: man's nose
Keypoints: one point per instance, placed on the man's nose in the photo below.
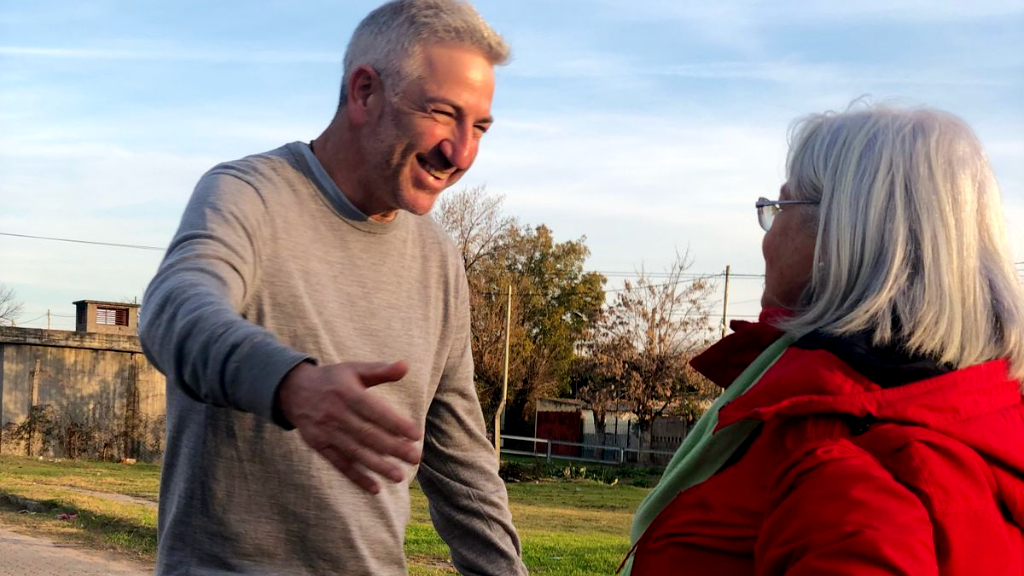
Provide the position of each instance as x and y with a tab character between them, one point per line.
460	148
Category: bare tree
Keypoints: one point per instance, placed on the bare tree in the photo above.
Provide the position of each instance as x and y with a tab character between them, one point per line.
643	344
474	220
10	306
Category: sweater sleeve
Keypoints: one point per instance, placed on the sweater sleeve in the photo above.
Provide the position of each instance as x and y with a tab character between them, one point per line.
193	330
837	511
459	471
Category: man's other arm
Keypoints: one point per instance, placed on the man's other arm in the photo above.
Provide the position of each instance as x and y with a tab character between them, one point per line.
459	471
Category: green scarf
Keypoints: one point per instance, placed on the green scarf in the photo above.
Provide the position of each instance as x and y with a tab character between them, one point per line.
704	451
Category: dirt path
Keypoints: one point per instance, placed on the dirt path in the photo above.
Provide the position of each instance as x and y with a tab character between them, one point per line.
22	555
122	498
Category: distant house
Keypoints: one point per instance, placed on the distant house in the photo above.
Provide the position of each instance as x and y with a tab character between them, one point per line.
567	421
106	317
559	419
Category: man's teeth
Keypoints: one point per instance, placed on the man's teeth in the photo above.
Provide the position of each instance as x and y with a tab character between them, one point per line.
433	171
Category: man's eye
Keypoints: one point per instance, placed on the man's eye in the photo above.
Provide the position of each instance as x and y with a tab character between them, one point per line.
480	129
445	113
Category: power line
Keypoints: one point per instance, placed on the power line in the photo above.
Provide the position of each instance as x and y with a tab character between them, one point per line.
683	281
60	315
608	273
95	243
34	319
537	292
694	275
623	274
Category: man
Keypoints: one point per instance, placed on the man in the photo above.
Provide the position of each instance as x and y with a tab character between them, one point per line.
295	275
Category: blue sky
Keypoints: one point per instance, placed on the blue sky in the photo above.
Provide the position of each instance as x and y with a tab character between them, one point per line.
649	126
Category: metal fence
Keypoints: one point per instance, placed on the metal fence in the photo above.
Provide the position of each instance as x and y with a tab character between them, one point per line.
614	455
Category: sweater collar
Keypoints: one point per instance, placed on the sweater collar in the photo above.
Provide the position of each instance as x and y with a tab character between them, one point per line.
336	199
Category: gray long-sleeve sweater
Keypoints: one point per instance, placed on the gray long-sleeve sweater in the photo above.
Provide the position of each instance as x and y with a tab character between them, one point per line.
272	265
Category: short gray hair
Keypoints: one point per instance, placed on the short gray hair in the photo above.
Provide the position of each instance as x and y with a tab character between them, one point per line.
389	39
911	241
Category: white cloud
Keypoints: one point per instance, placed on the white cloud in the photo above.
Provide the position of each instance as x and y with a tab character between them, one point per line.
782	12
174	54
907	10
642	159
88	176
637	184
783	71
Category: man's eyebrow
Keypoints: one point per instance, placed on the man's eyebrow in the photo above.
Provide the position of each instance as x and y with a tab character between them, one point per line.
458	109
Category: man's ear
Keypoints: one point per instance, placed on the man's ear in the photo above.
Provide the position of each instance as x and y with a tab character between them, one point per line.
365	92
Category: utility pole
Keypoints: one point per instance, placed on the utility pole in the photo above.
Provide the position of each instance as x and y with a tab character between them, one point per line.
725	302
47	318
504	385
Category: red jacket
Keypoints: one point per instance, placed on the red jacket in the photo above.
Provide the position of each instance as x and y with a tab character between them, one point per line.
845	477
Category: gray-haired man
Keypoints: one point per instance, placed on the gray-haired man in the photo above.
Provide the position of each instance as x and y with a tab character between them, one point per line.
294	276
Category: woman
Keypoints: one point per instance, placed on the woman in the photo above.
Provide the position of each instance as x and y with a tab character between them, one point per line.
873	421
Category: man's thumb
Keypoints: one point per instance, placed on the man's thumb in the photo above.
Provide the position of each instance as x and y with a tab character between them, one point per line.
374	374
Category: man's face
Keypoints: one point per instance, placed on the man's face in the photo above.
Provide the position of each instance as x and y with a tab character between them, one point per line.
427	137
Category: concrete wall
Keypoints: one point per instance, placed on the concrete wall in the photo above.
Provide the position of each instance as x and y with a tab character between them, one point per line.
93	392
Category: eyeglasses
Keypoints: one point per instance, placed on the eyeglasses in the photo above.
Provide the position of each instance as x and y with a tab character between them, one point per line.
767	210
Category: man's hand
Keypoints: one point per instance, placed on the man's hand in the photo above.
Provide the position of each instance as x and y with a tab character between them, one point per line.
354	430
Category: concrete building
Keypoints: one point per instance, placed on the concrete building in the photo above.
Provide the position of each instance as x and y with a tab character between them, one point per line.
87	393
106	317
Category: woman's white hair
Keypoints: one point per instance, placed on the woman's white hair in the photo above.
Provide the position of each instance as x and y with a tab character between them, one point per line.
911	242
390	37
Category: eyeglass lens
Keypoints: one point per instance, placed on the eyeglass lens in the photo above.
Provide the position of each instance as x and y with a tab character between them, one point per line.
766	216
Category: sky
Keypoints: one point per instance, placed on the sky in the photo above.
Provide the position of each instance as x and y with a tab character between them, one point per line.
648	126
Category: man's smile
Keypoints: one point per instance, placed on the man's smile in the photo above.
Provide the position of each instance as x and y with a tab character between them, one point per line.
433	170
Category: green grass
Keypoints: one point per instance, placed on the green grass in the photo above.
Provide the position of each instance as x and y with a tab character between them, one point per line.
568	528
138	480
534	468
577	528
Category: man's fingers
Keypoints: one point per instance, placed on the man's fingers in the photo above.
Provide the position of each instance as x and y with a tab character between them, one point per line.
379	441
358	431
372	409
351	470
353	458
361	453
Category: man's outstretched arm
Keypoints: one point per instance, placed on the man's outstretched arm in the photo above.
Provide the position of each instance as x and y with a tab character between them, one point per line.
194	333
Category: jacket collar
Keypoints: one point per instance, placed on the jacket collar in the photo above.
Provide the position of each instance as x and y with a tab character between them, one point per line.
725	360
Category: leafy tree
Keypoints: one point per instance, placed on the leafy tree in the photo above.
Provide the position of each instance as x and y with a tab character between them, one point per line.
557	300
553	300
